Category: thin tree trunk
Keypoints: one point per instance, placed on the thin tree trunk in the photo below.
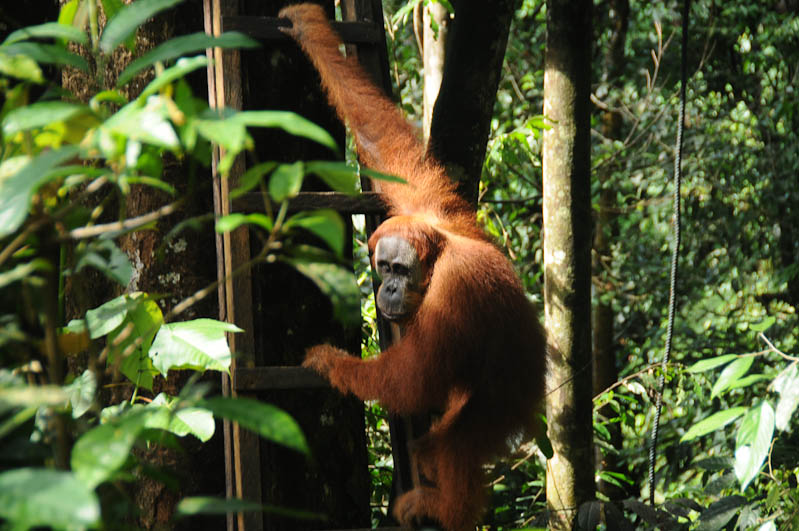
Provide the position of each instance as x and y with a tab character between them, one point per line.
435	24
567	260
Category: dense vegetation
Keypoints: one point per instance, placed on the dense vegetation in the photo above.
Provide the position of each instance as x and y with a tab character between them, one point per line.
728	452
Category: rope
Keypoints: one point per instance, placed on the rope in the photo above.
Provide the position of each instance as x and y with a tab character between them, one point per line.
675	251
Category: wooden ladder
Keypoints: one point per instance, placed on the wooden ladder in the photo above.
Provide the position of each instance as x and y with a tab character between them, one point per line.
362	31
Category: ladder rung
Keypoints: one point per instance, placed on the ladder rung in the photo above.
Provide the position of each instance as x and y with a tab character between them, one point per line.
266	28
364	203
270	378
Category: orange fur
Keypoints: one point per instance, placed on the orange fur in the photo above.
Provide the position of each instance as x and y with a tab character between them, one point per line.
474	349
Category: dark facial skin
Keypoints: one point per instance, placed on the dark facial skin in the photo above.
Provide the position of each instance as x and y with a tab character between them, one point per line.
401	273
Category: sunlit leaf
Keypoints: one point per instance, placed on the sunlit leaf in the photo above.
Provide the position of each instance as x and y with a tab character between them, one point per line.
20	67
711	363
753	442
288	121
183	420
714	422
763	325
731	374
47	54
235	220
787	385
17	189
251	178
337	175
48	30
181	68
200	344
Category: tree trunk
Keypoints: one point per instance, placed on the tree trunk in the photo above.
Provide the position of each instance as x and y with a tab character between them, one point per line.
462	114
567	260
605	368
435	21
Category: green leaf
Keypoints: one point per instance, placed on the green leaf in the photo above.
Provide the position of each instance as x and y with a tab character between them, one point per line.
763	325
197	505
714	422
107	317
337	175
286	181
40	114
711	363
731	374
67	14
325	223
716	516
81	393
101	451
753	442
192	506
338	284
18	396
182	421
184	45
373	174
234	221
48	30
17	189
106	257
127	20
288	121
264	419
200	345
181	68
148	124
37	497
47	54
787	385
23	270
20	67
251	178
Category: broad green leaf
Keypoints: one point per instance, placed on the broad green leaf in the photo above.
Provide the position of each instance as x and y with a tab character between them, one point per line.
47	54
40	114
266	420
148	124
753	442
20	67
711	363
229	134
714	422
234	221
787	385
106	257
337	175
184	45
288	121
81	393
731	374
181	68
107	317
200	345
251	178
127	20
286	181
338	284
325	223
38	497
48	30
763	325
130	352
746	381
100	452
17	189
183	421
